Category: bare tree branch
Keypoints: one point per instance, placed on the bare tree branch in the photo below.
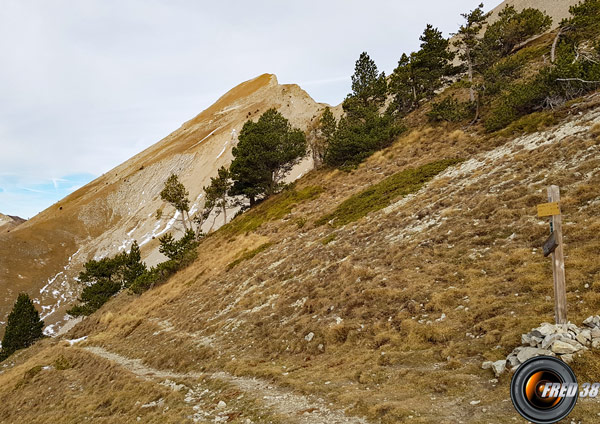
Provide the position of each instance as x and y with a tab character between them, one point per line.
578	80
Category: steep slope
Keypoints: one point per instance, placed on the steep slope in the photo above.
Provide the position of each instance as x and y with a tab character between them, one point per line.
556	9
43	255
386	315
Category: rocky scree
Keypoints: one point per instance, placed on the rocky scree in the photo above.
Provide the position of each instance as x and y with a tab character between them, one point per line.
559	340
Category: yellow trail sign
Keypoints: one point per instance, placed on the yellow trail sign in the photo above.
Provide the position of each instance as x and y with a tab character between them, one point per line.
548	209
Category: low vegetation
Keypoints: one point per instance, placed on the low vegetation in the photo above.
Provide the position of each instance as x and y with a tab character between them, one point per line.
380	195
273	208
249	255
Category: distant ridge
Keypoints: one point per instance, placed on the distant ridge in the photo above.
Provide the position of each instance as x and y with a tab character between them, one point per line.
10	221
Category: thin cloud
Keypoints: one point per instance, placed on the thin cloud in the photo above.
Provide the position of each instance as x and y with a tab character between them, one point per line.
87	85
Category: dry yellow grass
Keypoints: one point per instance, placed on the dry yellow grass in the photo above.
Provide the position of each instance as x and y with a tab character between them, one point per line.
403	304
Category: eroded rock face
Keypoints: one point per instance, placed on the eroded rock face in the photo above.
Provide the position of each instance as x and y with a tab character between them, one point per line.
562	340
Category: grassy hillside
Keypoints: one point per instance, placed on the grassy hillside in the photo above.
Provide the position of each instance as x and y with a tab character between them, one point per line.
377	292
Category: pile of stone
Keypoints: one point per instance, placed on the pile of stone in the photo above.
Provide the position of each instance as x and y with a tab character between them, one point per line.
560	340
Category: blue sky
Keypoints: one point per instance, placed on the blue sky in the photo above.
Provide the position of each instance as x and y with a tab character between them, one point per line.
84	85
27	197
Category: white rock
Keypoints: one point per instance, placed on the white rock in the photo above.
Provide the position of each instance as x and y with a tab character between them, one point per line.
221	404
530	352
499	367
512	360
487	365
589	322
562	348
546	329
567	358
309	336
549	340
584	337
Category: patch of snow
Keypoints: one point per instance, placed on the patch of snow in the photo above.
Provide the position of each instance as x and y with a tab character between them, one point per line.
49	330
211	133
73	341
50	281
223	151
156	234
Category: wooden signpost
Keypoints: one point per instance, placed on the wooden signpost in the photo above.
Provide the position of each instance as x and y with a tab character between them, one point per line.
554	246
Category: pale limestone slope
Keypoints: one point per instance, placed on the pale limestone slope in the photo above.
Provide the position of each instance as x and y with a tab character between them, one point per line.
43	255
556	9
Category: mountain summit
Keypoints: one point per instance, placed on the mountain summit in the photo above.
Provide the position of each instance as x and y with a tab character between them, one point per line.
45	254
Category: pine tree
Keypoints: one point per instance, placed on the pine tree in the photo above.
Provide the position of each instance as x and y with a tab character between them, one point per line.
419	75
328	124
23	327
102	279
432	62
216	192
176	249
321	136
133	266
576	54
511	29
176	194
403	86
363	129
266	152
369	88
469	42
583	23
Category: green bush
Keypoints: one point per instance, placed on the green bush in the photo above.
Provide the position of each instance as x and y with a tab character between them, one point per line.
529	123
521	99
273	208
175	249
145	282
94	296
450	110
380	195
357	139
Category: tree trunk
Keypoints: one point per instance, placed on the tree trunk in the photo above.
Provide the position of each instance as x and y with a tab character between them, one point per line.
213	224
252	200
476	111
223	204
273	182
183	220
470	73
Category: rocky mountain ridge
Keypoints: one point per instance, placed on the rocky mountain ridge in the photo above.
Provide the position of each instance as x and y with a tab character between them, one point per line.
44	255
